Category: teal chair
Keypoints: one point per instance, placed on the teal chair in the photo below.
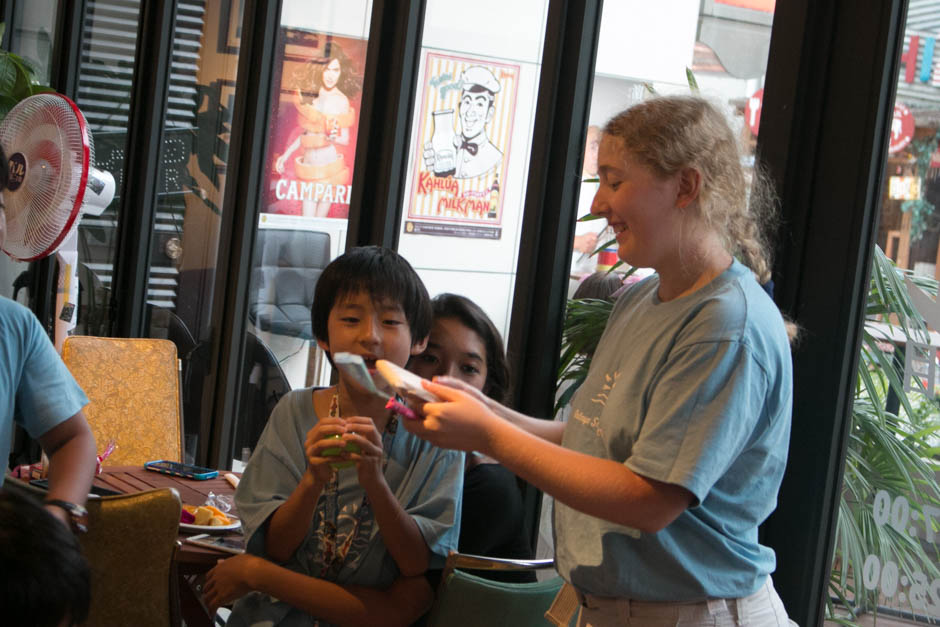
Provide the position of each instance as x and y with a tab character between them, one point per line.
465	600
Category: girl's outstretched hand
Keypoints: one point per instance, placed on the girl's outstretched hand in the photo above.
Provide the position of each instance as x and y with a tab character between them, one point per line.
459	421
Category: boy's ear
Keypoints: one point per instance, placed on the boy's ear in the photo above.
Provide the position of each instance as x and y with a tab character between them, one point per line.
324	346
418	347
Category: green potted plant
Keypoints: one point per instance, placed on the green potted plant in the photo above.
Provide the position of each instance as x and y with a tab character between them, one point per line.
17	79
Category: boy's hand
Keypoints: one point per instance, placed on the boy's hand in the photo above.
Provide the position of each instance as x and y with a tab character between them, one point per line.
318	439
361	431
228	581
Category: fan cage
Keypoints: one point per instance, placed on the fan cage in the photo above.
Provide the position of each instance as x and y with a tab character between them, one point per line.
51	134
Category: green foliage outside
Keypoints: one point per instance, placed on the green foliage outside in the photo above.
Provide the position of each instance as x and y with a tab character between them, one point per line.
17	79
887	451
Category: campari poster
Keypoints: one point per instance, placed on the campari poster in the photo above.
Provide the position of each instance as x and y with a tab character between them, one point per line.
464	129
314	122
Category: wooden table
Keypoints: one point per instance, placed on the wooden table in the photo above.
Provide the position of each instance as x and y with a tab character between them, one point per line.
193	561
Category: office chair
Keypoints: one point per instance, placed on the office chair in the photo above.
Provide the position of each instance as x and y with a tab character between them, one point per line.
285	269
263	384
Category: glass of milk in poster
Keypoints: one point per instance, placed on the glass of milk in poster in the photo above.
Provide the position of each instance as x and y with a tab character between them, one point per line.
442	141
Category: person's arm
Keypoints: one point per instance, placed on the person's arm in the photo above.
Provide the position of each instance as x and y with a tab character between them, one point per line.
402	603
598	487
290	522
585	243
282	160
70	447
400	532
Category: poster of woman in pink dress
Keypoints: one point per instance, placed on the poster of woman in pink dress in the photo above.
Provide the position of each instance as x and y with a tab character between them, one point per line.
314	125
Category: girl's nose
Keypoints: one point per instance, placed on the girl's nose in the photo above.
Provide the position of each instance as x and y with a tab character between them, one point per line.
597	205
452	369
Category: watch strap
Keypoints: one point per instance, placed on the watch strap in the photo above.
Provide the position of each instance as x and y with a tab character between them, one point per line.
78	515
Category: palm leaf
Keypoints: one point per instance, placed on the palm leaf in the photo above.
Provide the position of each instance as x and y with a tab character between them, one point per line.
886	451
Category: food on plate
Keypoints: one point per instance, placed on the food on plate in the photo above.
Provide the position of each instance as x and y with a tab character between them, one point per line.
204	515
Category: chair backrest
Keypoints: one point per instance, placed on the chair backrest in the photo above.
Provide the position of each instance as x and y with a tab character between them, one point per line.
263	385
464	599
287	264
131	545
134	394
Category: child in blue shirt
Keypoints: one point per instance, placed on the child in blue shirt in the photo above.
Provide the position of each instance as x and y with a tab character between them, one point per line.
314	542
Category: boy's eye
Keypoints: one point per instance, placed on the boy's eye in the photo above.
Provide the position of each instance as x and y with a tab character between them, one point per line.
393	321
349	319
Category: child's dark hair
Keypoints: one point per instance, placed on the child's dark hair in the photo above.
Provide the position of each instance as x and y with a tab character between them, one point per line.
47	578
600	285
471	316
381	273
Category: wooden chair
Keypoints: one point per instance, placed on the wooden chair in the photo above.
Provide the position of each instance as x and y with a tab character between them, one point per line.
133	387
465	600
131	547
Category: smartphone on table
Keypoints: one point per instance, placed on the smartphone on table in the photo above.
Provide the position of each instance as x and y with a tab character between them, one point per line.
188	471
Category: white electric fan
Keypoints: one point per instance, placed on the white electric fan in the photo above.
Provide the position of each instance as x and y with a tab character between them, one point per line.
52	183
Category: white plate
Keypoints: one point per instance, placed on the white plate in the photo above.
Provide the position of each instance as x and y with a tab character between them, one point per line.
210	528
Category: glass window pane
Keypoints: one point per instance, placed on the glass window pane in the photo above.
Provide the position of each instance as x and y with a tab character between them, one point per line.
886	558
106	74
33	26
33	30
190	188
722	43
471	138
308	174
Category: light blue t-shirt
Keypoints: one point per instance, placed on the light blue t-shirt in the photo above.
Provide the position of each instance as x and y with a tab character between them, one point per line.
695	392
36	389
427	481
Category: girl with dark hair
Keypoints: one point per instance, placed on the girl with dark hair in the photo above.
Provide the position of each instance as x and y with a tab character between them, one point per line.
464	345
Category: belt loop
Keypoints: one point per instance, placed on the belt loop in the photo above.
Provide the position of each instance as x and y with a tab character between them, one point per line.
714	606
741	611
564	605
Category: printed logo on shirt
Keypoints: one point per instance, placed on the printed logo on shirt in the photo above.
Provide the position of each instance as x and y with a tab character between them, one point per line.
601	398
608	387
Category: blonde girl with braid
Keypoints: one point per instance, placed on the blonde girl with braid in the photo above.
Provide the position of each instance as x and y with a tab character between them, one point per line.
677	441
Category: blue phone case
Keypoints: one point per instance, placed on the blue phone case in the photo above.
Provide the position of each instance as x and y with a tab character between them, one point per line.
188	471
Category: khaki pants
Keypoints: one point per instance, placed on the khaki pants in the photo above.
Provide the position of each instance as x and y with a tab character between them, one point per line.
761	609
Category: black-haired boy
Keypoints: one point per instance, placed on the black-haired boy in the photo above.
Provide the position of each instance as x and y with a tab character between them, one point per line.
346	538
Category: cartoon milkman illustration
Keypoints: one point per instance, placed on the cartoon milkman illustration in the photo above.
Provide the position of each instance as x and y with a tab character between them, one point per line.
475	155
